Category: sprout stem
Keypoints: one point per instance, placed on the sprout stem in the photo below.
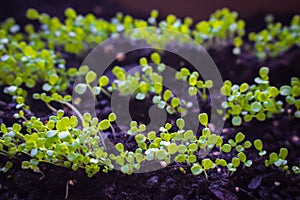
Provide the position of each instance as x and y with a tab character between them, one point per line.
205	174
91	89
102	139
4	154
106	92
51	107
113	132
73	108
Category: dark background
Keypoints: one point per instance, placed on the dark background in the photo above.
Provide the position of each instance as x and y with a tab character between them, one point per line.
253	11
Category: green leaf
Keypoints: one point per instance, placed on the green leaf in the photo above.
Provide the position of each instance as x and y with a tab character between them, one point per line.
167	95
208	84
168	126
196	169
155	57
285	90
143	62
239	137
235	162
80	88
175	102
142	128
188	135
192	159
297	114
161	154
172	148
103	81
156	78
156	99
70	13
112	117
182	148
180	123
206	132
221	162
226	148
296	169
87	117
242	157
290	100
36	96
236	120
63	134
207	164
283	153
51	133
192	80
3	128
180	158
120	147
140	96
247	144
193	147
236	109
158	87
151	135
60	113
260	116
263	72
161	104
46	87
248	163
32	14
226	90
104	124
239	148
262	97
258	144
125	169
262	153
184	72
256	106
90	77
192	91
273	157
203	119
273	91
140	138
96	90
25	165
53	79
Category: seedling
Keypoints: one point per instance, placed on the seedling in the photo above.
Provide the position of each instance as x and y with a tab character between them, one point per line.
292	94
276	38
246	102
259	146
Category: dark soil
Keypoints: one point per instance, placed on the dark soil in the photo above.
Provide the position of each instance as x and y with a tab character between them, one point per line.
256	182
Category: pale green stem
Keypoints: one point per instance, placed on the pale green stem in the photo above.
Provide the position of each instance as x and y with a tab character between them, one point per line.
73	108
91	89
51	108
106	92
102	140
113	131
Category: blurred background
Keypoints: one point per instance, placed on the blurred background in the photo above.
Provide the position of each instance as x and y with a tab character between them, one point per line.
252	11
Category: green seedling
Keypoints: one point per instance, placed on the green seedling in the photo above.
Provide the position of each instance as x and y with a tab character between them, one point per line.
259	146
276	38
